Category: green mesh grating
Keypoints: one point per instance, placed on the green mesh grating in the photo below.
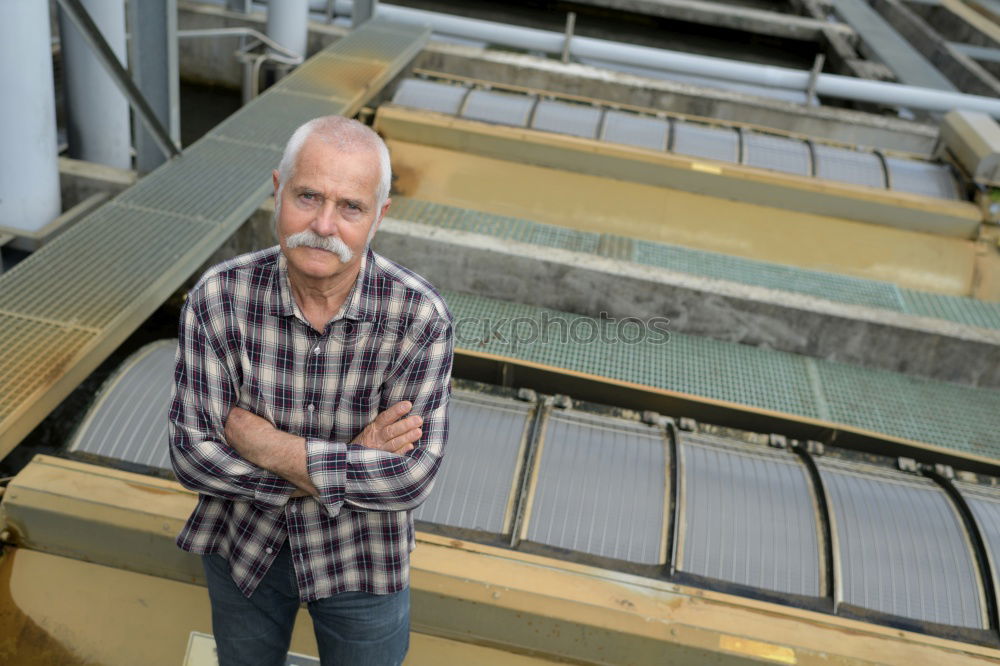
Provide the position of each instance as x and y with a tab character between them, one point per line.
828	286
949	415
953	308
937	413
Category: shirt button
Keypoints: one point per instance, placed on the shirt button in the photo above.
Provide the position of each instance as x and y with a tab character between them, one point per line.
316	351
268	551
295	508
311	408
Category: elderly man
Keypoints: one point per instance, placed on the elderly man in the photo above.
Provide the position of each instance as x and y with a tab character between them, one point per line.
310	414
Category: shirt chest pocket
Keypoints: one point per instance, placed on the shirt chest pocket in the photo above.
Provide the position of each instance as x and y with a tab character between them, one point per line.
355	411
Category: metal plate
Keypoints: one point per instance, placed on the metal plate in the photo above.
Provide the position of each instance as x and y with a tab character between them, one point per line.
901	545
474	487
776	153
498	108
600	487
849	166
576	119
714	143
635	130
930	180
430	96
128	420
747	515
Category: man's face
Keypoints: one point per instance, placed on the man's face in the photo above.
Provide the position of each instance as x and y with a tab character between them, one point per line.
329	197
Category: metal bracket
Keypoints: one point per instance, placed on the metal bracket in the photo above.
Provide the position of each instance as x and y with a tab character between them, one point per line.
907	464
568	38
687	424
78	14
777	441
814	73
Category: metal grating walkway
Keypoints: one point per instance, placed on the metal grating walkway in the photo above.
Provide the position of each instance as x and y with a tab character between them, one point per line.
827	286
67	306
938	413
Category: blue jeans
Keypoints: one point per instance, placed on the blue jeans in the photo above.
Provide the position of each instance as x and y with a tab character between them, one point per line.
352	628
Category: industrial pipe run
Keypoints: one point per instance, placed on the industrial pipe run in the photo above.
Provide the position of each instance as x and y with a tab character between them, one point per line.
829	85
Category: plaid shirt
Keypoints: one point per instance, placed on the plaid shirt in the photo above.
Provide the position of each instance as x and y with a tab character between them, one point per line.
243	341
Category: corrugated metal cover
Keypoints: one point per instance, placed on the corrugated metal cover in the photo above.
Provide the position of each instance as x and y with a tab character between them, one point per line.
849	166
482	458
600	487
636	130
715	143
430	95
748	516
499	108
984	502
902	547
575	119
128	420
930	180
776	153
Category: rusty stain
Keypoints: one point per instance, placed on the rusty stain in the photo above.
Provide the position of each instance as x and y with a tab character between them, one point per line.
150	489
625	603
22	640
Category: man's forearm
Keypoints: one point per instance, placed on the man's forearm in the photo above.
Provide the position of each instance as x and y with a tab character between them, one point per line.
269	448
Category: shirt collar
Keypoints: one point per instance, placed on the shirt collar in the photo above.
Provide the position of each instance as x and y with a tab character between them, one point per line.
360	304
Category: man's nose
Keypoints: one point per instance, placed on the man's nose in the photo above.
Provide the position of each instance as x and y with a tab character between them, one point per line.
325	222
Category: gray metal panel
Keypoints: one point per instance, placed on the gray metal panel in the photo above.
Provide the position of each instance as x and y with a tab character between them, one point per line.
600	487
499	108
777	153
564	118
128	420
635	130
849	166
714	143
473	487
430	95
901	546
930	180
748	516
985	506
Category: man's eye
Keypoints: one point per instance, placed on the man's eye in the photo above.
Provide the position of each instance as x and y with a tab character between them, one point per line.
308	196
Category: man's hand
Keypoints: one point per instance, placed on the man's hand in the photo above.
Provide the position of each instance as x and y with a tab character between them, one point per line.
390	431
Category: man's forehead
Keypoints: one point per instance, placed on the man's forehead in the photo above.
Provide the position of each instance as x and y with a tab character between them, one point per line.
319	161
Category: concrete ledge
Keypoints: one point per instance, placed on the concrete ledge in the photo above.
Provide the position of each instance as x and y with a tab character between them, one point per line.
587	284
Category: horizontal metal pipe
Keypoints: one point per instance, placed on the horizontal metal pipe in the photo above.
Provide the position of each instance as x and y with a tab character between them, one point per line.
830	85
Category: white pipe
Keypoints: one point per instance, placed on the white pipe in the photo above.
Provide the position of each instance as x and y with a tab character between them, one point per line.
288	24
29	159
97	124
830	85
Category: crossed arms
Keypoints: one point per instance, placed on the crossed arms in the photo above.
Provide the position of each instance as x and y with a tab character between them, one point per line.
225	451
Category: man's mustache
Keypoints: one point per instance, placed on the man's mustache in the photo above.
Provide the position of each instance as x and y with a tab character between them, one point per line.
309	238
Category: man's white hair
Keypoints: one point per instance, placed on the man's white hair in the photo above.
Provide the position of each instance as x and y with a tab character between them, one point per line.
346	135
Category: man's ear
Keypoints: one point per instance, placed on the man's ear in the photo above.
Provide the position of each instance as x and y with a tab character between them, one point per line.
274	178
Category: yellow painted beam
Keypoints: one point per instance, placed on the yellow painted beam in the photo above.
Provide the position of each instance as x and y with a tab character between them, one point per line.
717	224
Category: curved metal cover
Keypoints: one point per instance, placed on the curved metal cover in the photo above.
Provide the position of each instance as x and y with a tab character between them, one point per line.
747	514
849	166
930	180
635	130
128	420
984	502
474	488
498	108
575	119
900	545
714	143
430	96
776	153
600	487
